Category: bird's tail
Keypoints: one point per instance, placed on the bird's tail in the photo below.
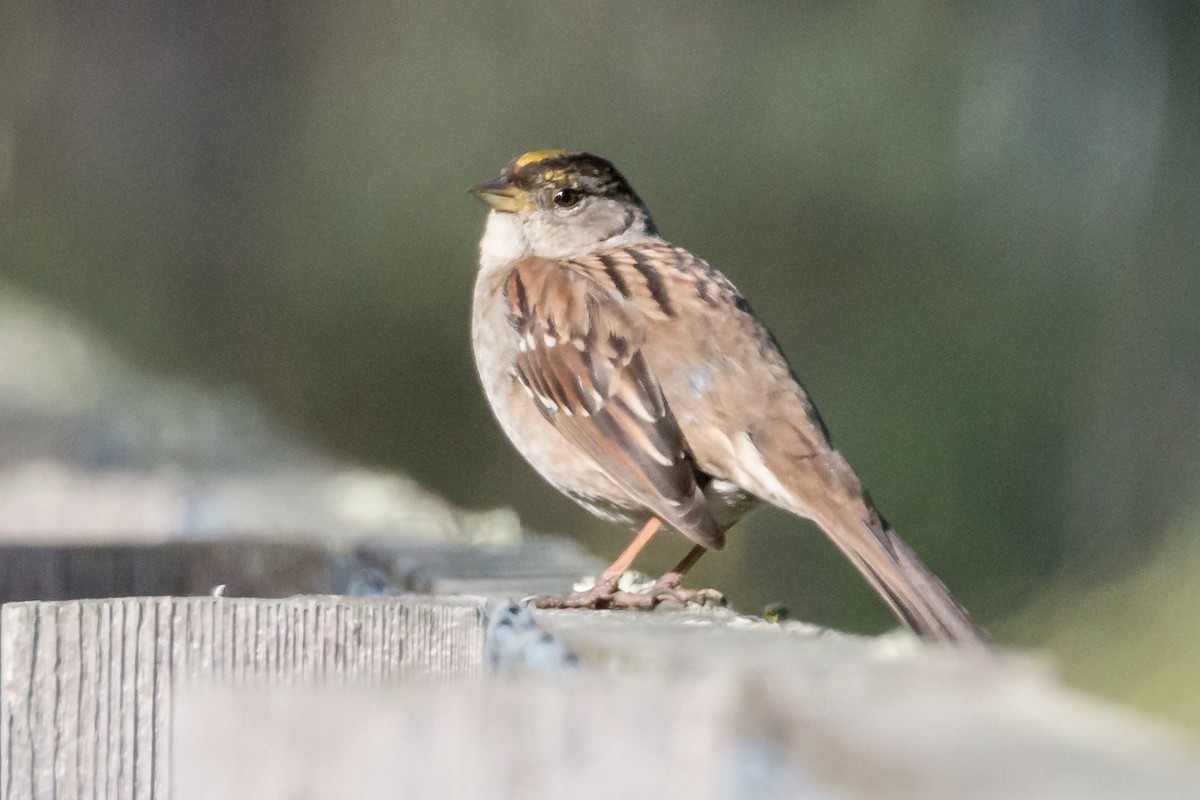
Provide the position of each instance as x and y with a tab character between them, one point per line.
919	599
846	514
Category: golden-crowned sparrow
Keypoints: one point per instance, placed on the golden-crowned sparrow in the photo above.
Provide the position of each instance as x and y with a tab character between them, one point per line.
635	378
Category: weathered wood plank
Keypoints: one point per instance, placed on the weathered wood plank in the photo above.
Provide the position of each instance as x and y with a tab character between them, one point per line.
268	568
248	568
86	687
689	706
215	697
729	735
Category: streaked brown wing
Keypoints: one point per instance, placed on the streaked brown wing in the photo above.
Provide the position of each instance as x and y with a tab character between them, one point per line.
712	326
580	359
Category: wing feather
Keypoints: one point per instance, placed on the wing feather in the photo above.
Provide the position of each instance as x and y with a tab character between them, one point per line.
580	359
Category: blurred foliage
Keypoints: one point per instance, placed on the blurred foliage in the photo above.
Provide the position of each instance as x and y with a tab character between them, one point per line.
1134	638
972	226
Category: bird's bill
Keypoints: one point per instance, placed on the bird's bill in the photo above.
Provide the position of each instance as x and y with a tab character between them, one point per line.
501	195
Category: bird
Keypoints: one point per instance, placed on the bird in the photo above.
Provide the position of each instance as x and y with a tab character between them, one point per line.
635	378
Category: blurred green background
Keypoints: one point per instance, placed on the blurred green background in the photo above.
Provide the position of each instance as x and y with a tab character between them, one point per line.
973	227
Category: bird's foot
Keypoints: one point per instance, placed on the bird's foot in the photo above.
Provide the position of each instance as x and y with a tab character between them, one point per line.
667	590
598	596
609	593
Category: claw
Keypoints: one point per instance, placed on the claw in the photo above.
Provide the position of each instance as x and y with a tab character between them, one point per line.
606	595
599	596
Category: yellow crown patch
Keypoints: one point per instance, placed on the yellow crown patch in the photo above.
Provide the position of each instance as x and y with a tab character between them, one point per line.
535	156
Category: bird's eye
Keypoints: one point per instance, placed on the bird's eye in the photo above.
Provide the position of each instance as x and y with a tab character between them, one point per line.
567	198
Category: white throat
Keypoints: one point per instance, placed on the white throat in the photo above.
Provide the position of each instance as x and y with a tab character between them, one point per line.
506	237
503	240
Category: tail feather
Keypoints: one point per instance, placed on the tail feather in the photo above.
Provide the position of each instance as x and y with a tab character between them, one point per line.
826	490
918	598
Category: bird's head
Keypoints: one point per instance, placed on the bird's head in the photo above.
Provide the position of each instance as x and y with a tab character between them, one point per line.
556	204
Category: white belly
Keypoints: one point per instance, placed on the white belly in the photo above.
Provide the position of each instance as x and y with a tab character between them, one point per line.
495	344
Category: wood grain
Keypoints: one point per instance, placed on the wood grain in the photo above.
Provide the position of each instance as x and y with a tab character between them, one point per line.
87	706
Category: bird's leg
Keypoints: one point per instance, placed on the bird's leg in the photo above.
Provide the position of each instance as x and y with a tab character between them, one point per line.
604	592
673	577
623	562
668	586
